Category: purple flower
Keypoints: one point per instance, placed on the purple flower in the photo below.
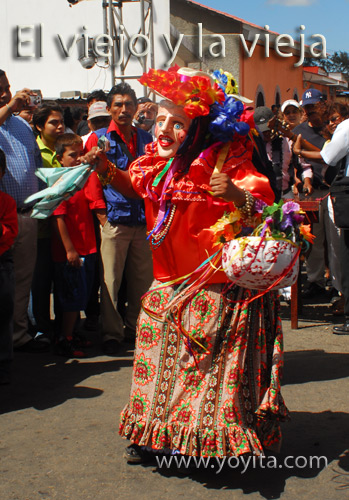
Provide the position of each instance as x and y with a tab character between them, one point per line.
289	207
259	205
298	218
286	222
269	220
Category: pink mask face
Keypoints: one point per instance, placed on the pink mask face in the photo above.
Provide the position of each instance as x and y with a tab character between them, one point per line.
171	129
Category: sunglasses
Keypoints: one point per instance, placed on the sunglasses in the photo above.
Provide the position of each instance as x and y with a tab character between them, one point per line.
333	119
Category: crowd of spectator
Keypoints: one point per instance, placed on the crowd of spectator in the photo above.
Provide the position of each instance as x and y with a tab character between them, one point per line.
93	251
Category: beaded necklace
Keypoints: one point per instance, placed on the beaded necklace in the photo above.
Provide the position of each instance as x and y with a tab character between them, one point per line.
158	238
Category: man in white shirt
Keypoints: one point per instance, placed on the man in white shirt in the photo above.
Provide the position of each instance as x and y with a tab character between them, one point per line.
338	147
333	153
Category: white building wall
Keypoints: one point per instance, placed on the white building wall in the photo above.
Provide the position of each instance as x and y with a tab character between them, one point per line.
52	72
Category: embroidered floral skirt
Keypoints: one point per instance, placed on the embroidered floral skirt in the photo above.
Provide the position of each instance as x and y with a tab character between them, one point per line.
219	398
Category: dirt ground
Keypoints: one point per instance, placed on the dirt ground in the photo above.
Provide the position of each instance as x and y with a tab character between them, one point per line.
59	420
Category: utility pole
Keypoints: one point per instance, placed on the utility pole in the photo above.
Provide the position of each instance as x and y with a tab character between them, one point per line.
113	19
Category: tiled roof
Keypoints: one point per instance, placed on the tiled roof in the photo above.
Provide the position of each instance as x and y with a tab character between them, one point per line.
215	11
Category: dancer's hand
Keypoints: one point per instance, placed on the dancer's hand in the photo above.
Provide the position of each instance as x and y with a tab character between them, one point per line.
97	158
223	187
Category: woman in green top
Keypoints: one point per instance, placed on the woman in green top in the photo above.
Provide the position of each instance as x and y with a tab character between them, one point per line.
48	124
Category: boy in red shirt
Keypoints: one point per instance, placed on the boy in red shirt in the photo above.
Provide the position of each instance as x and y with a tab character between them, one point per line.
8	233
74	246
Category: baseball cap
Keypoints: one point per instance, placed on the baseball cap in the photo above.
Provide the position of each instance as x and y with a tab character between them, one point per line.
311	96
97	109
261	117
290	102
143	100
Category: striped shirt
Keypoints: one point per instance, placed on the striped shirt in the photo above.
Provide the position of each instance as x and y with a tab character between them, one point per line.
23	158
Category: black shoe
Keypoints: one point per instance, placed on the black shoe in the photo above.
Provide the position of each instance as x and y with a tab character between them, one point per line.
65	347
342	330
334	296
81	341
338	306
111	347
33	346
312	290
135	455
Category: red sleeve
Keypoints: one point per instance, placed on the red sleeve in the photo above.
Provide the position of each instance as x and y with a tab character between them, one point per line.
8	222
61	209
195	184
237	165
94	192
90	143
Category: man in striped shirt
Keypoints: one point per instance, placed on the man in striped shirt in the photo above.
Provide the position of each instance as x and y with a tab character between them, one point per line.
23	158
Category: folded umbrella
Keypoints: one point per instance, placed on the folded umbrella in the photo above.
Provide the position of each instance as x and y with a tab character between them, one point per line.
62	184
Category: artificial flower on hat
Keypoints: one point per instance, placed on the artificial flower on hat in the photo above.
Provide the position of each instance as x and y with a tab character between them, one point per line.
226	81
195	93
226	120
158	79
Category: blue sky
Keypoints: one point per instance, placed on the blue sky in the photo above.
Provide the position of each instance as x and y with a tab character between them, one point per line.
328	18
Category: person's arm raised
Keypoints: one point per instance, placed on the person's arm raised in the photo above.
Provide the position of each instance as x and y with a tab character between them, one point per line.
108	173
18	101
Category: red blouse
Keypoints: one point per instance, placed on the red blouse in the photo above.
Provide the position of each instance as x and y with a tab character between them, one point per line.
189	240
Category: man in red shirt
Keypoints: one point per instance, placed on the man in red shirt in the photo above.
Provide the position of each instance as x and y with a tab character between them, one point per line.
125	251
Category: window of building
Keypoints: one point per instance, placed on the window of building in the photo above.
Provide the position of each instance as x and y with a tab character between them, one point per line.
260	100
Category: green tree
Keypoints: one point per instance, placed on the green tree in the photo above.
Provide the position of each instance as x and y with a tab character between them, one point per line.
336	63
340	61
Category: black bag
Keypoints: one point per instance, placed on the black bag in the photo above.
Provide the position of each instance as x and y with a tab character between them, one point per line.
339	192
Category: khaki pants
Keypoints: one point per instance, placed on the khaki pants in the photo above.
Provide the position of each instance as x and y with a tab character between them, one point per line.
24	257
123	248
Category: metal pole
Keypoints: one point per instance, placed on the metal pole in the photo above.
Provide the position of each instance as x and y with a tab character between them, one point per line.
112	34
122	62
113	19
151	35
144	58
144	65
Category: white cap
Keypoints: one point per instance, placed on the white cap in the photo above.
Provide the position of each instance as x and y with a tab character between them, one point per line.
290	102
97	109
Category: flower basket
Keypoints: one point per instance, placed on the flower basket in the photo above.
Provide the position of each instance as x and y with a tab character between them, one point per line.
261	263
264	255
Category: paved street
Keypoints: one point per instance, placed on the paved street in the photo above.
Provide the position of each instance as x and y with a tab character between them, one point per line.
59	422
